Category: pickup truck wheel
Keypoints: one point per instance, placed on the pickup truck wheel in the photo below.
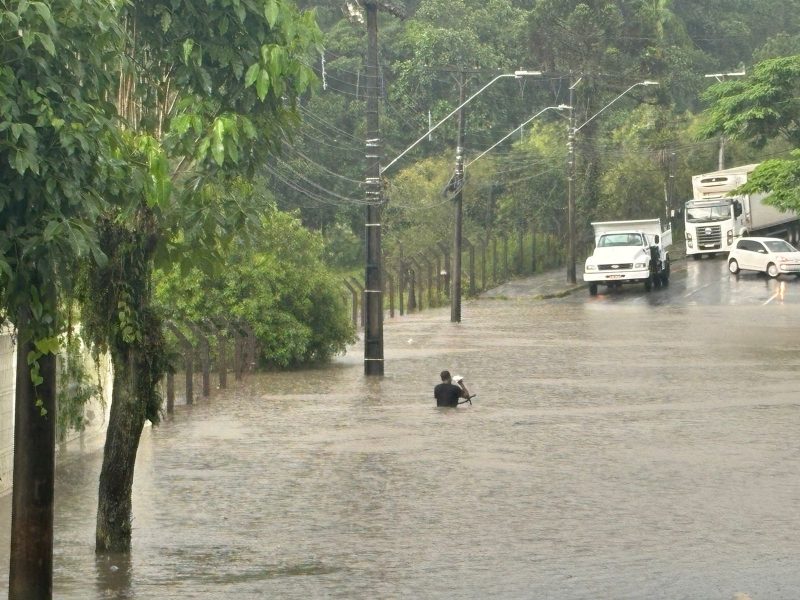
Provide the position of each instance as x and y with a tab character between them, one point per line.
733	266
593	289
772	270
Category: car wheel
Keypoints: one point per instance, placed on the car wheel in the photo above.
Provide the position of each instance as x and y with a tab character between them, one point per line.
733	266
772	270
593	289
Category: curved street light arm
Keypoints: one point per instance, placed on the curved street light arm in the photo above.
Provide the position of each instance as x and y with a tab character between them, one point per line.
504	138
515	74
612	102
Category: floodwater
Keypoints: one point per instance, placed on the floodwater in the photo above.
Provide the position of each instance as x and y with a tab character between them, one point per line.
613	451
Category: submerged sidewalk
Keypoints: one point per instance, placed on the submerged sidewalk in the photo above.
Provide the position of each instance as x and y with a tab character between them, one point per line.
550	284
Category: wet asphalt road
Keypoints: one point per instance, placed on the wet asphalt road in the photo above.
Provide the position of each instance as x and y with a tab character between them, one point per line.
705	282
627	446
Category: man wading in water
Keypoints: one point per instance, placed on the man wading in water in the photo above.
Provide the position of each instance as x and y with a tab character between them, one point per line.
447	393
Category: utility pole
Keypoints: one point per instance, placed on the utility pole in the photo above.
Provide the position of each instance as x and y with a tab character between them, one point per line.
373	271
571	276
458	183
373	277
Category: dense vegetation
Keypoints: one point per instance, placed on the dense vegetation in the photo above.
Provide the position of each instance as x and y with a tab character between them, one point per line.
635	160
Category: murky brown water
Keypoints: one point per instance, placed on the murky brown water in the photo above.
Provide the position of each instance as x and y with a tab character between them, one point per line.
613	451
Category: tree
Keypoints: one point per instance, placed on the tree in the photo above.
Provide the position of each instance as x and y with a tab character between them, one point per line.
758	109
56	167
208	90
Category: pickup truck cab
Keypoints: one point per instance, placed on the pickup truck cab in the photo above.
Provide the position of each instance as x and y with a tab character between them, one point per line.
628	252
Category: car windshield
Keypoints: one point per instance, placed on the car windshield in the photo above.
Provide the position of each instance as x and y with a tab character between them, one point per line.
779	246
620	239
705	214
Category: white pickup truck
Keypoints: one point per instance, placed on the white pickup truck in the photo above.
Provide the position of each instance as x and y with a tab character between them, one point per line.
628	252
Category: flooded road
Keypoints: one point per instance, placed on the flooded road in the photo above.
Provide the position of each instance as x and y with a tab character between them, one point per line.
616	449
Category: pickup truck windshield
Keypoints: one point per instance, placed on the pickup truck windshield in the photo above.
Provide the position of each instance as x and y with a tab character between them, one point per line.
620	239
705	214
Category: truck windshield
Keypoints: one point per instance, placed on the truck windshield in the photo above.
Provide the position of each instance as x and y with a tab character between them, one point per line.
704	214
620	239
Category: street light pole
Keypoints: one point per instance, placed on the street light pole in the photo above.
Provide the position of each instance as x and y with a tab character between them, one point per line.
721	77
572	258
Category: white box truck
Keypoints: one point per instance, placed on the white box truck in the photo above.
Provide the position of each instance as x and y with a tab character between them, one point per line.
628	252
715	218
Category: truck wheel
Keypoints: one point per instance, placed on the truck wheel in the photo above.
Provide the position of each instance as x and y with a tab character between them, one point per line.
697	256
648	284
593	289
772	270
733	266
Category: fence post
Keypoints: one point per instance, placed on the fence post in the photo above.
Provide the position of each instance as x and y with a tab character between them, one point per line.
401	285
494	260
412	293
205	357
170	392
390	281
533	247
429	278
447	267
354	296
188	359
483	264
438	277
251	346
222	353
505	258
471	268
521	250
363	296
420	283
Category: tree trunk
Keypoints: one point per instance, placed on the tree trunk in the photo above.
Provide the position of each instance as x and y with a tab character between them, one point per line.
31	564
125	423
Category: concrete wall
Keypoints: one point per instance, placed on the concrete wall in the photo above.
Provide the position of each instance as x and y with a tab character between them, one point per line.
95	411
7	362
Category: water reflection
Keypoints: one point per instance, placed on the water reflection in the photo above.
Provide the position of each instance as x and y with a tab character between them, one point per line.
114	573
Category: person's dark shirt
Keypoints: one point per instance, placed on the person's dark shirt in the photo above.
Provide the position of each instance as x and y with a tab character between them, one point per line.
447	394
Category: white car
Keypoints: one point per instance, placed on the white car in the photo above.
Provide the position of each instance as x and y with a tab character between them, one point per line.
772	256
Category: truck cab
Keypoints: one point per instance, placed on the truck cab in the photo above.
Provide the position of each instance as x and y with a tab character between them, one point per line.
628	252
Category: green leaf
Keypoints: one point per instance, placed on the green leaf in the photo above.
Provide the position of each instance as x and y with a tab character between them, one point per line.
166	21
50	230
252	74
47	42
188	46
271	12
44	12
48	345
262	85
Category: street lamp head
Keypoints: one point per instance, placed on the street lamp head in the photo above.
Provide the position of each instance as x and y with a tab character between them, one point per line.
563	107
519	74
648	82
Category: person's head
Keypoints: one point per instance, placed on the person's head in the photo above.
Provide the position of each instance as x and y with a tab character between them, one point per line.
445	375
